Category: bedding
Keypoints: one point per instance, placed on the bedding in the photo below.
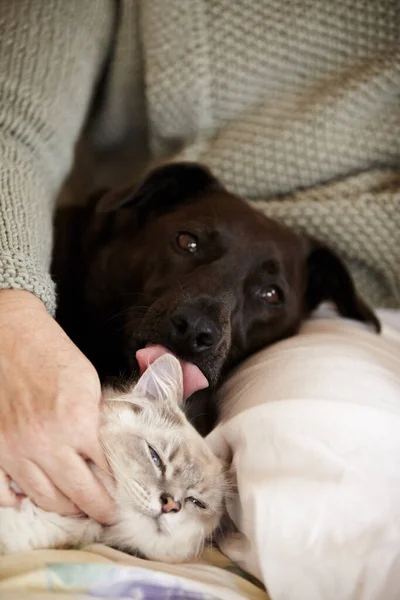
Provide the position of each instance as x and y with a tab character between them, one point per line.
313	424
101	572
304	446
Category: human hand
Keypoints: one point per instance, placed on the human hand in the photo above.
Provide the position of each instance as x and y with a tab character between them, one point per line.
49	414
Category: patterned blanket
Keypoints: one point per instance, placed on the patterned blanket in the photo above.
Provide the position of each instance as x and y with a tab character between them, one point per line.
101	572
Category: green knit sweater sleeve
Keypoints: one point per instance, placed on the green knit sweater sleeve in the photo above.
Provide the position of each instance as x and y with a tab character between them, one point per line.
51	54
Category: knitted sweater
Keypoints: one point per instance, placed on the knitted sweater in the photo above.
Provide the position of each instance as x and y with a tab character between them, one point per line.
293	104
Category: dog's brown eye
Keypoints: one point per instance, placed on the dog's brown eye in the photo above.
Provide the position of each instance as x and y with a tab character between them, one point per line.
272	295
196	502
187	242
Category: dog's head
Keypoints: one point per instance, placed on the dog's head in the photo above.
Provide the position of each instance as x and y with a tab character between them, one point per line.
181	262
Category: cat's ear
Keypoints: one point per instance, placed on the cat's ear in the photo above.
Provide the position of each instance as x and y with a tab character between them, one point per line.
162	380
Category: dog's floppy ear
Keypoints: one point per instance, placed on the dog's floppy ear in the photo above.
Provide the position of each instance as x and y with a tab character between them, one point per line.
162	189
329	280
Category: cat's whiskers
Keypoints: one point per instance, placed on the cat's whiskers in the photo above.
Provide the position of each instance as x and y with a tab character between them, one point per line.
219	534
130	485
200	547
204	414
166	526
208	544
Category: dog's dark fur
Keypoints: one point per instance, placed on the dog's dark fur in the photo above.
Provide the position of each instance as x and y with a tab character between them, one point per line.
124	282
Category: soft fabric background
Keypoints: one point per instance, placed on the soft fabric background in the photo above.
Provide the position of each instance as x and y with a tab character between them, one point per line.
293	104
313	424
101	572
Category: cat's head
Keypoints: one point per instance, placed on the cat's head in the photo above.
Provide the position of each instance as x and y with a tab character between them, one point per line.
170	486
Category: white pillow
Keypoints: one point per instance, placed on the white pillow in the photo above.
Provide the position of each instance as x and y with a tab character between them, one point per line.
314	427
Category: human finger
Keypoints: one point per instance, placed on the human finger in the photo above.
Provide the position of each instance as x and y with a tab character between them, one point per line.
8	497
39	488
73	477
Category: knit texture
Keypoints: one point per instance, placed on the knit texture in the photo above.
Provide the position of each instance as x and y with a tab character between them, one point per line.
292	104
49	60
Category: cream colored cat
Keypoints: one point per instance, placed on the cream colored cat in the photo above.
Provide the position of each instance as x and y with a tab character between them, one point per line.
169	486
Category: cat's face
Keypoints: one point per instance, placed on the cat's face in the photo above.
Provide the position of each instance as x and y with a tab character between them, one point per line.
169	485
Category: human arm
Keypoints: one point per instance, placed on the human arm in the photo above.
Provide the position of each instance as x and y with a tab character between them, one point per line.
51	54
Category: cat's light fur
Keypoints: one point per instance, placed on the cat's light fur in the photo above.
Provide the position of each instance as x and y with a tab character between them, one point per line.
147	416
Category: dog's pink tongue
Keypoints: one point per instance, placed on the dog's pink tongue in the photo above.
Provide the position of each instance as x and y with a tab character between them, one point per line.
193	378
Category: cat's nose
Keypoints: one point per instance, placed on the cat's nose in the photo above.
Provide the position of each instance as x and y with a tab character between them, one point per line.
168	504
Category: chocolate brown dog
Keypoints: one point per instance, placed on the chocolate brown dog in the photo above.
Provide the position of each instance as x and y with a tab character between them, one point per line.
183	264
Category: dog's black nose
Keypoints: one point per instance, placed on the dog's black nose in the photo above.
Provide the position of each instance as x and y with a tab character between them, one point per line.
192	331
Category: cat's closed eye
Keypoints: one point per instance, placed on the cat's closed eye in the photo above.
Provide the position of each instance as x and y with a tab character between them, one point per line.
196	502
155	458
